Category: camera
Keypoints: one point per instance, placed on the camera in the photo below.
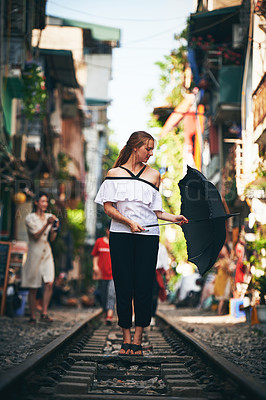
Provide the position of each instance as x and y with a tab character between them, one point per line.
55	227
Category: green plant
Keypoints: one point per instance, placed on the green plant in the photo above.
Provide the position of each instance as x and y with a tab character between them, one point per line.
34	90
229	57
109	156
76	225
257	248
63	160
169	160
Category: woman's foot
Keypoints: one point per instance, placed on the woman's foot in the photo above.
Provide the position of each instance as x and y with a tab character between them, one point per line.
32	321
125	349
136	350
46	318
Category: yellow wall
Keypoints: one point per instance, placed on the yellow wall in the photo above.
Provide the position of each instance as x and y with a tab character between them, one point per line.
64	38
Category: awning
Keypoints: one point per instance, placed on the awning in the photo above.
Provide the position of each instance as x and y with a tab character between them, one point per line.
214	13
227	112
61	66
14	86
11	89
99	32
214	23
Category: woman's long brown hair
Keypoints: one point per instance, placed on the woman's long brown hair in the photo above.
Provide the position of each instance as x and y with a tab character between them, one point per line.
136	140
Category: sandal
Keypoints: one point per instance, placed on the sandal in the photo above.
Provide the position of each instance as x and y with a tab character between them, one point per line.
108	321
126	347
46	318
135	348
32	321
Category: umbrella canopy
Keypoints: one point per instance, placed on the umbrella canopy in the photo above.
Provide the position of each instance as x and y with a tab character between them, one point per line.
202	206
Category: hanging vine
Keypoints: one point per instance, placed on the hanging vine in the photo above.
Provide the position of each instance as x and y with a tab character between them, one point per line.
34	90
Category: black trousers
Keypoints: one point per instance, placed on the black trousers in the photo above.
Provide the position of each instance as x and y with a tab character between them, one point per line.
155	294
134	258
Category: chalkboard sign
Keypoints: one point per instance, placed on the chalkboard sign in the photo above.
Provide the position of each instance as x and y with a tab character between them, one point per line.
5	249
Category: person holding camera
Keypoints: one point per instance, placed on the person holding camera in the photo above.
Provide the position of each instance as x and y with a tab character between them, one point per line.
39	265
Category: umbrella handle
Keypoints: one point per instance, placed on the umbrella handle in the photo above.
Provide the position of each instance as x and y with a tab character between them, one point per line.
166	223
192	221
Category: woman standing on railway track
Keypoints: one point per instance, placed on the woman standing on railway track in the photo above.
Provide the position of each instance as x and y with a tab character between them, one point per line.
130	196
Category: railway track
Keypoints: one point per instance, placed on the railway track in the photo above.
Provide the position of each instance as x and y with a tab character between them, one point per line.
84	364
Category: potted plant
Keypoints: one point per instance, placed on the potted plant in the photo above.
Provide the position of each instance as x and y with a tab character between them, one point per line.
34	90
258	268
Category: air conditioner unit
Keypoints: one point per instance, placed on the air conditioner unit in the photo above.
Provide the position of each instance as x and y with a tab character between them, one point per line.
34	142
19	146
237	36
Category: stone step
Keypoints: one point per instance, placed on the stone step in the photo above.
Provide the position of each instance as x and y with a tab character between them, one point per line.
72	388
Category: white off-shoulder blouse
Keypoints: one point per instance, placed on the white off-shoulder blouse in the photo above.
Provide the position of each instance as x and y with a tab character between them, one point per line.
133	197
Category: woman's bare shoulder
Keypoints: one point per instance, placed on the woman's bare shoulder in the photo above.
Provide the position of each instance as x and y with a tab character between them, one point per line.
154	171
113	172
154	176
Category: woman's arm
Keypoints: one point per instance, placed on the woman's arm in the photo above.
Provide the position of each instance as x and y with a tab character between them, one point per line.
179	219
52	235
112	212
95	268
36	236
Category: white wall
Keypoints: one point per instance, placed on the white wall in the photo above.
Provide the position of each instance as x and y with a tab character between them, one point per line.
91	137
215	4
259	52
99	68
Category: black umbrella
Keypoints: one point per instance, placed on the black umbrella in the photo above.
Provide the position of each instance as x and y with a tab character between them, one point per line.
205	233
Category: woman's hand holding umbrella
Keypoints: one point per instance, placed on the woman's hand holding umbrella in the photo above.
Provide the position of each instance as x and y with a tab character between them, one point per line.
173	219
135	227
180	219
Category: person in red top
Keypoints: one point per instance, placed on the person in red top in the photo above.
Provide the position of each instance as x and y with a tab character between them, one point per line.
102	271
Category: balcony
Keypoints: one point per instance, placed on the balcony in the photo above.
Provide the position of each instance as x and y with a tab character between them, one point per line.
227	102
259	106
230	80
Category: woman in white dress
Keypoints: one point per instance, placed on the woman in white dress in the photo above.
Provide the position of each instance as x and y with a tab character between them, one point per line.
39	266
130	196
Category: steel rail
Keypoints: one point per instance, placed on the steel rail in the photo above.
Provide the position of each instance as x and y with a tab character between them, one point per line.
248	384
